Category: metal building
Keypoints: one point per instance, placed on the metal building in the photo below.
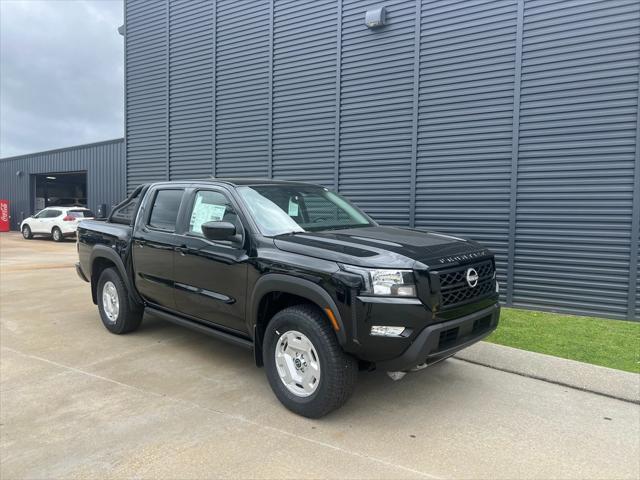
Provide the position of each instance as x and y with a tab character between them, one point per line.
90	175
514	122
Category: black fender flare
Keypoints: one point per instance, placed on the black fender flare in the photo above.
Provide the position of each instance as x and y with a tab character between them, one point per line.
102	251
276	282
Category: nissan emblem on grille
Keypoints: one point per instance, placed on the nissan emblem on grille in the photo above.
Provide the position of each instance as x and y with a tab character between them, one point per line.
472	277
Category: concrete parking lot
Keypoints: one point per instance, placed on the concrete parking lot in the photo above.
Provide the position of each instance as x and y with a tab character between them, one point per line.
77	401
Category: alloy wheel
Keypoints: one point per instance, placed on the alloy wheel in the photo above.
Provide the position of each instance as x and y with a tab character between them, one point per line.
297	363
110	301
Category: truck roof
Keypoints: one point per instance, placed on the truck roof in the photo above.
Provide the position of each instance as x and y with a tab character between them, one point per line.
239	181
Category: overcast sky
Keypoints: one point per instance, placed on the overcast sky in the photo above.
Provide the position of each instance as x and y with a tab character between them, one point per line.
61	73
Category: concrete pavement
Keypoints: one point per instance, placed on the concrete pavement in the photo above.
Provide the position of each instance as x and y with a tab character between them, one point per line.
76	401
583	376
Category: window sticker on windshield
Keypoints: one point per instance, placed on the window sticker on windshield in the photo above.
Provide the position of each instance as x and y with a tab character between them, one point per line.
205	212
293	208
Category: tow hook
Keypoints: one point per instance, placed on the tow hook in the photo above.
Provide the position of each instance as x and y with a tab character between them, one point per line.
395	376
400	375
419	367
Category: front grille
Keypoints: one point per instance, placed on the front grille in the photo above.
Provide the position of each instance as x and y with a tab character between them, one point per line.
455	289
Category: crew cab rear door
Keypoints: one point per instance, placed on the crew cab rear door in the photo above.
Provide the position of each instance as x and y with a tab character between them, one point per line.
154	243
211	276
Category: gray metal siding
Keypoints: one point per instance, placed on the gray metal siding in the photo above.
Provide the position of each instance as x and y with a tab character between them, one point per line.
103	162
637	279
637	274
190	89
467	55
242	88
512	122
376	110
304	90
578	116
146	90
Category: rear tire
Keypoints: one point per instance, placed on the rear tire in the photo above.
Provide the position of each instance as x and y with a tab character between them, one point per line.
26	232
113	303
56	234
306	367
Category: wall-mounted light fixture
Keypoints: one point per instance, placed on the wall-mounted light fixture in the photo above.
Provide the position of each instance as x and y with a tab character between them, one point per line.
376	17
19	173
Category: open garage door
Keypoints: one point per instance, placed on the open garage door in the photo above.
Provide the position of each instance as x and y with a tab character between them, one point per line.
60	190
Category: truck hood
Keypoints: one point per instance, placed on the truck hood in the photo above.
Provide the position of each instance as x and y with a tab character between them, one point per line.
383	247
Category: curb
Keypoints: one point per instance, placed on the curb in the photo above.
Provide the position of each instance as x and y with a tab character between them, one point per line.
604	381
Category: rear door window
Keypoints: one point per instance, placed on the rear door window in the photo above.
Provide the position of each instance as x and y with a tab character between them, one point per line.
164	211
53	213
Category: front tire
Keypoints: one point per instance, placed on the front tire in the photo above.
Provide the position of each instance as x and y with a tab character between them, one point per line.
306	367
113	303
56	234
26	232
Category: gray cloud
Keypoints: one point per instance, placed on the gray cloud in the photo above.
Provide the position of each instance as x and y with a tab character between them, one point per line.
61	73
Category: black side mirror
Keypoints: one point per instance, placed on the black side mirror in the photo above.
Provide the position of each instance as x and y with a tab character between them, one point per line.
219	231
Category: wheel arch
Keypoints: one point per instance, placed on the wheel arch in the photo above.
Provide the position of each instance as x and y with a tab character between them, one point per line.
102	257
291	289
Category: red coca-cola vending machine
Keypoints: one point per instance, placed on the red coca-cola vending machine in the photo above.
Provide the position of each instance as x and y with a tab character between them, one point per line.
4	216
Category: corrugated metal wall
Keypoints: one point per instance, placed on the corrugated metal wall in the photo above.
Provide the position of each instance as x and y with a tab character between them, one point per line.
190	93
465	121
304	91
242	87
376	111
103	162
147	91
513	122
576	160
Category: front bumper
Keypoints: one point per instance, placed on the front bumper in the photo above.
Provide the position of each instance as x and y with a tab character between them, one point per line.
441	340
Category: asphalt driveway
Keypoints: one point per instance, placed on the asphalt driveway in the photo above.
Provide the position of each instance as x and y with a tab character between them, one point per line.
77	401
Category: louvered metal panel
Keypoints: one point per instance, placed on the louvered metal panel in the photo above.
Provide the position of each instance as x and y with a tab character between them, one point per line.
578	113
103	162
508	121
637	276
467	58
190	89
637	279
242	88
304	90
376	110
146	91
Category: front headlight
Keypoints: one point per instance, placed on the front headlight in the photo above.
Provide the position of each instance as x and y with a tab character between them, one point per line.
391	283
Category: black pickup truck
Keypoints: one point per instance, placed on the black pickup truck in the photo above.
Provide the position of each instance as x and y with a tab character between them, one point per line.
293	271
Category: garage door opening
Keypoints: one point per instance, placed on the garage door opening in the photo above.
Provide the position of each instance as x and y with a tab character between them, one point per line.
60	190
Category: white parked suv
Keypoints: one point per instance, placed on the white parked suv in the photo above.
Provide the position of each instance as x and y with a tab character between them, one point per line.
57	222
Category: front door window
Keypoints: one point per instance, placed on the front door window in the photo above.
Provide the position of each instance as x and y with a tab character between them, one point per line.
210	206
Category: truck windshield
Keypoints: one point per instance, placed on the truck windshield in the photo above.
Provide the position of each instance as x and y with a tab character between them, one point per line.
280	209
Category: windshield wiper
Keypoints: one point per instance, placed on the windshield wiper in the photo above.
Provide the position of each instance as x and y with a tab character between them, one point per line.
292	232
345	227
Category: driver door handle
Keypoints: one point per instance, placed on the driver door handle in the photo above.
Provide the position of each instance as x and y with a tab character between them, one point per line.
182	250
